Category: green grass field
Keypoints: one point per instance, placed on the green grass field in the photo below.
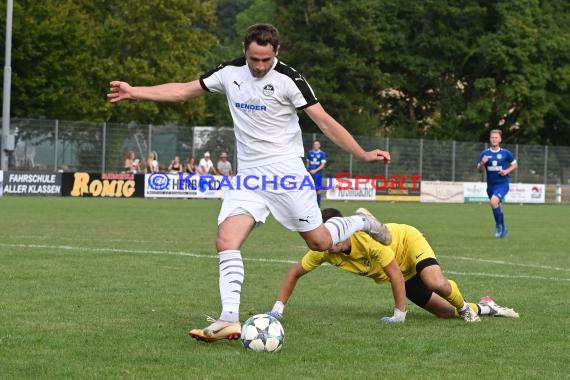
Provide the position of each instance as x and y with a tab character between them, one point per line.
108	288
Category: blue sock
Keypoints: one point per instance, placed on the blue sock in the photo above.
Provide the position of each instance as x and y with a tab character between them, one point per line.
496	212
499	217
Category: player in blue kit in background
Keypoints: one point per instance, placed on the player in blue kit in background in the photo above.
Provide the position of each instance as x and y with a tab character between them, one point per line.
316	161
498	163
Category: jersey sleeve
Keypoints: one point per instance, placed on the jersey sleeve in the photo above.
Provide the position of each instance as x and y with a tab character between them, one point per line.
312	260
383	254
298	92
215	80
511	158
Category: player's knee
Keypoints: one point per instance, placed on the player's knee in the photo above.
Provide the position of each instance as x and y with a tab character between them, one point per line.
318	245
223	244
441	287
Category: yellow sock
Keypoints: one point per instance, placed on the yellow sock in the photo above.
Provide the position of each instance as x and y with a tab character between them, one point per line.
473	307
455	298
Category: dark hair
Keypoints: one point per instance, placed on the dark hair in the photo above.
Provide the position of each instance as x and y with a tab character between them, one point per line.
262	34
330	213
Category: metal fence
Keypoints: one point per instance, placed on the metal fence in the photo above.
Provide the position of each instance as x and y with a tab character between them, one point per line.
56	145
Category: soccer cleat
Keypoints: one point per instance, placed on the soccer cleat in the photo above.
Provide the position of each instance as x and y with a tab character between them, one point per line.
378	230
498	230
219	329
497	310
504	231
469	315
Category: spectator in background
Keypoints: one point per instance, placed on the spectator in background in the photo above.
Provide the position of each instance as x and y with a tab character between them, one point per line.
206	165
132	165
152	165
224	166
191	165
175	165
316	161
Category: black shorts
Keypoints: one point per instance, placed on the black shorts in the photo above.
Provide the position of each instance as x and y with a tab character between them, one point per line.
416	290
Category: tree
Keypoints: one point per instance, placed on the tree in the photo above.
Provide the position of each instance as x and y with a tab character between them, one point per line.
66	52
336	46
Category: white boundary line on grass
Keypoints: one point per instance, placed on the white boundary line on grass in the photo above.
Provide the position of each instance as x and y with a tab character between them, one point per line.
282	261
503	262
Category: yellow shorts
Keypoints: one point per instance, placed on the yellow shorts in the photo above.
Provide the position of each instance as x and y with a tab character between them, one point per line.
418	249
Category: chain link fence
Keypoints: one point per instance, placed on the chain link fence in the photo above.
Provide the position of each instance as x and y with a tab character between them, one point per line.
56	145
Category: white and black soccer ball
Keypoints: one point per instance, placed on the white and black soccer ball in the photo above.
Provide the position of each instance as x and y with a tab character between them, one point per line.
262	333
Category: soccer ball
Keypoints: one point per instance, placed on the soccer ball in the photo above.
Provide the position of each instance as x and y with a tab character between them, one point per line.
261	333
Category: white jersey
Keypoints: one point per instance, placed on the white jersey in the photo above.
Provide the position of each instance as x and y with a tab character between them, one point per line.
264	110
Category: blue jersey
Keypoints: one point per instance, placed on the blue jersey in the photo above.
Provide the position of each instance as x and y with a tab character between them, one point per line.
499	160
315	159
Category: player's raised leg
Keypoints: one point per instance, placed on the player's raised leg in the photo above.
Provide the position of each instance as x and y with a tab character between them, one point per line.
337	228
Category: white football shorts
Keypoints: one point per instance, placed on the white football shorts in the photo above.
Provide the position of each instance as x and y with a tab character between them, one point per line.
284	189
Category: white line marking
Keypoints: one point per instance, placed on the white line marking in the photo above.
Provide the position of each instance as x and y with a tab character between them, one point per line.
502	262
282	261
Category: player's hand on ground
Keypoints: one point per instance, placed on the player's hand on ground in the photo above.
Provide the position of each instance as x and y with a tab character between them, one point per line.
120	91
398	317
275	314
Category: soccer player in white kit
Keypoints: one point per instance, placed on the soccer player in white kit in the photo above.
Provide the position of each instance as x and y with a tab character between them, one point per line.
264	96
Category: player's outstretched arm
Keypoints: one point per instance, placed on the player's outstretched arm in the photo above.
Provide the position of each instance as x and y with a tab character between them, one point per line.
392	270
168	92
341	137
287	286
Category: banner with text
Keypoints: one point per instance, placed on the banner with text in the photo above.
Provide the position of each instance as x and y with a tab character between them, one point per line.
475	192
343	191
518	192
442	192
164	185
31	183
525	193
110	185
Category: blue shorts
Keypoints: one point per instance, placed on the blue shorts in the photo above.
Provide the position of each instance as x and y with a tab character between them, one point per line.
498	191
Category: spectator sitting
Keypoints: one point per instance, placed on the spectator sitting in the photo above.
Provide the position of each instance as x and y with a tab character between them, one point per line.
191	165
175	166
224	166
152	162
206	165
131	164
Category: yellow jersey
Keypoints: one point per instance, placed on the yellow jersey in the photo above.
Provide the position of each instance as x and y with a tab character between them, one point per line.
368	257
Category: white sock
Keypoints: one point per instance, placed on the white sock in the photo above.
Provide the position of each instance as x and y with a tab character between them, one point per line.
231	280
341	228
464	308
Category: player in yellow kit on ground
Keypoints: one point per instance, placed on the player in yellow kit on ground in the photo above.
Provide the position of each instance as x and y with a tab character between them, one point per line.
408	263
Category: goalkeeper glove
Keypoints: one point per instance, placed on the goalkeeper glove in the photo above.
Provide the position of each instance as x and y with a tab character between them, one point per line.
277	311
274	314
398	317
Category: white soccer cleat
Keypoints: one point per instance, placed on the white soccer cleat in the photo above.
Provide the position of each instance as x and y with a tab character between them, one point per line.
497	310
378	230
469	316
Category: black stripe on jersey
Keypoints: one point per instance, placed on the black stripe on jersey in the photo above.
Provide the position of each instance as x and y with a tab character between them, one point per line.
236	62
299	81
